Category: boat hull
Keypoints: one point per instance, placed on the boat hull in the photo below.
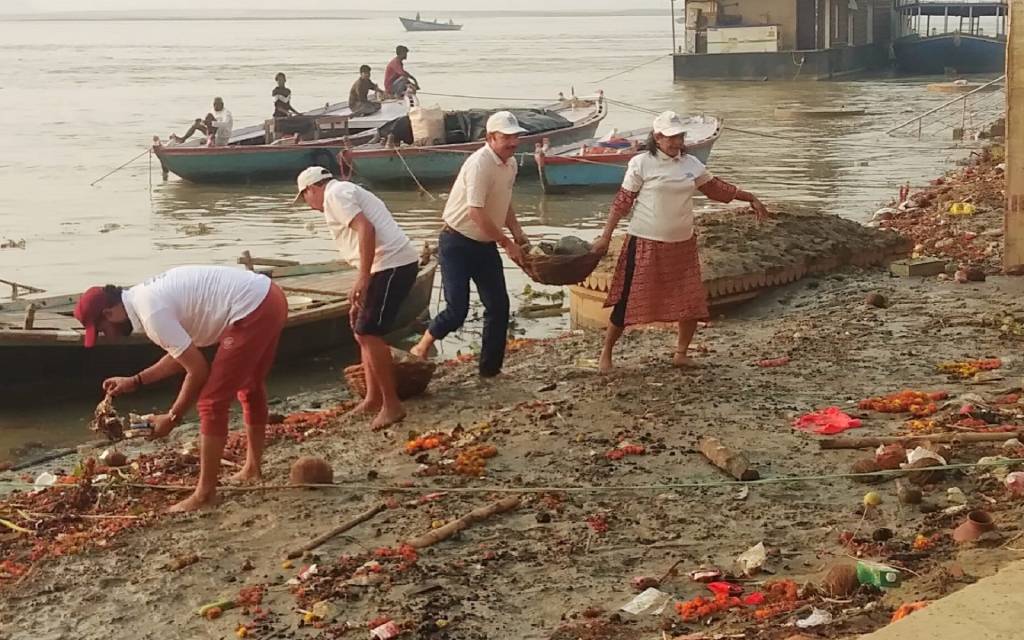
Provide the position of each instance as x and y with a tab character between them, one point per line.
421	25
442	163
37	369
246	164
934	55
597	171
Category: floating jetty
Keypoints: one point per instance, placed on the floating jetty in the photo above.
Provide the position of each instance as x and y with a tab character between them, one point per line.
740	258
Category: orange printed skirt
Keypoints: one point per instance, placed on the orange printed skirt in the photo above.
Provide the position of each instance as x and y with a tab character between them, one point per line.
657	282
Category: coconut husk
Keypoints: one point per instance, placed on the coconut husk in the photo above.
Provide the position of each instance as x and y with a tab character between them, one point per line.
841	581
866	465
922	478
107	421
311	470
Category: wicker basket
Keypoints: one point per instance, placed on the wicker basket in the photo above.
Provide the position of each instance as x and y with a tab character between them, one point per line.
412	376
559	269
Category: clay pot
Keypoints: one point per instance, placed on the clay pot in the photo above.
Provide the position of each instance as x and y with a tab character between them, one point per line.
866	465
841	581
921	478
978	523
311	470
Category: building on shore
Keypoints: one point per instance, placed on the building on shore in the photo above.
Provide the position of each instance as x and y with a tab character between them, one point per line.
783	39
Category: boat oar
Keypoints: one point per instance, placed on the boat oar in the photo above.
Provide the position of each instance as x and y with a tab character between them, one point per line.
94	182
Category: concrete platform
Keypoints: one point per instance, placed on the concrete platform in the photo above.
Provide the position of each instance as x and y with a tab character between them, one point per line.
990	609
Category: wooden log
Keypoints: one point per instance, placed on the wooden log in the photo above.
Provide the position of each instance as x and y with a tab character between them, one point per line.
30	317
443	533
953	437
338	530
734	463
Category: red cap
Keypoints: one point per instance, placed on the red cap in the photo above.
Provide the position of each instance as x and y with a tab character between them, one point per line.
89	311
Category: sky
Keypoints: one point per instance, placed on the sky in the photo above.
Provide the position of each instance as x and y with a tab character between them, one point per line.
33	6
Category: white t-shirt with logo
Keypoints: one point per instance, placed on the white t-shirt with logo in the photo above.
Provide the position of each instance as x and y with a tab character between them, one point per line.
343	201
193	305
484	182
665	186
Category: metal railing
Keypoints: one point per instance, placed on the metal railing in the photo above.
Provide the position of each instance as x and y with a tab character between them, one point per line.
972	110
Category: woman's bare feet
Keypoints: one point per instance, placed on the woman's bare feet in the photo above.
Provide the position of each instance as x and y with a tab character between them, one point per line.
366	407
247	475
683	361
194	502
385	419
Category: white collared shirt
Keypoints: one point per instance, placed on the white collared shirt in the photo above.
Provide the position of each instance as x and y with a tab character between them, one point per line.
665	186
484	182
343	201
193	305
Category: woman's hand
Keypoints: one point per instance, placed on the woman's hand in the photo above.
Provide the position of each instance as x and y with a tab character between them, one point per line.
760	211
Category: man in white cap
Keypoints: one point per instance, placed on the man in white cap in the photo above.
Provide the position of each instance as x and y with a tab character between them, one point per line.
369	239
475	216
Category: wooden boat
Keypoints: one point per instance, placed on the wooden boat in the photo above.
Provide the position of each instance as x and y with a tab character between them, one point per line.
415	24
249	158
601	163
41	352
387	162
941	37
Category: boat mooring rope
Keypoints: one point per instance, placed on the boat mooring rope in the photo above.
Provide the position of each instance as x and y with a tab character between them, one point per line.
101	178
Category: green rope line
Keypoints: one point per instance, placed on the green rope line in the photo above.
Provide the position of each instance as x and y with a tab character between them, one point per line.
576	489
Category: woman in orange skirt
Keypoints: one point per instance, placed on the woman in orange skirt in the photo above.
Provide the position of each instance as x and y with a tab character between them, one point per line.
657	277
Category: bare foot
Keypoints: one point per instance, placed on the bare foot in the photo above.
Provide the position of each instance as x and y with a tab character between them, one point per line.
683	361
366	408
247	476
194	502
419	352
385	420
605	366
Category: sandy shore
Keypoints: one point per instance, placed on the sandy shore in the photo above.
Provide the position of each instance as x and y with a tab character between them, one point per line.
611	487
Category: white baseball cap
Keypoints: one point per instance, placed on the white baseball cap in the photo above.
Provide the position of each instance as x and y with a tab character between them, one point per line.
669	124
309	177
504	122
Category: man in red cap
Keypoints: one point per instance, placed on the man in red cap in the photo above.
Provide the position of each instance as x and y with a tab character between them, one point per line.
183	310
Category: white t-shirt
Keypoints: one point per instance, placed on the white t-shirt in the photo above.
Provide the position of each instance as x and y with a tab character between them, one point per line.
193	305
485	182
343	201
225	123
665	187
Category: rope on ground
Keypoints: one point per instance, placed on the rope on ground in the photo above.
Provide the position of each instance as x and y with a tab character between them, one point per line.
573	489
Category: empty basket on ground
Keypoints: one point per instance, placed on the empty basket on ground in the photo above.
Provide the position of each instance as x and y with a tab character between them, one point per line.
412	375
559	269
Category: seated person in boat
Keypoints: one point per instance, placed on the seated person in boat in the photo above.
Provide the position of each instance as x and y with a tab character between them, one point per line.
358	97
282	98
181	311
396	79
216	126
657	276
369	239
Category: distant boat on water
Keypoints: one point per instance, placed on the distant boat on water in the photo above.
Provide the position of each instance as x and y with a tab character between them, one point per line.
416	24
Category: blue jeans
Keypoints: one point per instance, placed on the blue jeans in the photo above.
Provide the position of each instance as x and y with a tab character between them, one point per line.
463	259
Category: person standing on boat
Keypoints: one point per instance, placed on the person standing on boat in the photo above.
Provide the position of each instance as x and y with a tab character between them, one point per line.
217	126
183	310
396	79
369	239
477	211
358	97
282	96
657	277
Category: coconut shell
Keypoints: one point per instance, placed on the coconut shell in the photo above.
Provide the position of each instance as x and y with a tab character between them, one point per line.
115	459
891	457
922	478
876	300
909	495
311	470
866	465
841	581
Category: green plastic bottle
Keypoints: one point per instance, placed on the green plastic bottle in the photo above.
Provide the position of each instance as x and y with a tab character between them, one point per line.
878	575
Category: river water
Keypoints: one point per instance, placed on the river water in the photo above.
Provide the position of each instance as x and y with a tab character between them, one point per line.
83	97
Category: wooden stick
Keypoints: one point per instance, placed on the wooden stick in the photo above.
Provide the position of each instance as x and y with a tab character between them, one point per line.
341	528
443	533
734	463
951	437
